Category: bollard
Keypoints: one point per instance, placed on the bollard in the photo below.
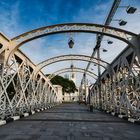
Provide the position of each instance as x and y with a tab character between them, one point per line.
91	108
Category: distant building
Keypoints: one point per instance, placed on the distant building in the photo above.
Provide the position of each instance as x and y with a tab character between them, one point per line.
66	76
58	88
84	93
71	97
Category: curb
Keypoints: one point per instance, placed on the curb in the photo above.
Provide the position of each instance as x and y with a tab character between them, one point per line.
131	120
2	122
26	114
14	118
124	117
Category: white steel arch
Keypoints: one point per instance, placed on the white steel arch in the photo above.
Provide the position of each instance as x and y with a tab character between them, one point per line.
52	60
80	70
120	34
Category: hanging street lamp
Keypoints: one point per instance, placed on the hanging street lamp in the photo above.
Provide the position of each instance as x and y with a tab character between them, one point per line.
71	43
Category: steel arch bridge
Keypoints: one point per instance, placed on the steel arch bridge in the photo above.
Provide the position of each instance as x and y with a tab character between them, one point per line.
22	92
80	70
52	60
128	37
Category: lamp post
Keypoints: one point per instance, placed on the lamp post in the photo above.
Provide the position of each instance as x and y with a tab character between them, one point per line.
99	74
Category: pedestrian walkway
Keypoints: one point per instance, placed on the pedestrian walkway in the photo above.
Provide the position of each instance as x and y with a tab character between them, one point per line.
70	122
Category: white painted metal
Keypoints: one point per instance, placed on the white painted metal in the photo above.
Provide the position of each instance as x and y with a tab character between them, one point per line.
121	91
91	74
52	60
24	88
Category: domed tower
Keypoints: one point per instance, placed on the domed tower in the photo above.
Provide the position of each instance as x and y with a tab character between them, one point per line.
72	74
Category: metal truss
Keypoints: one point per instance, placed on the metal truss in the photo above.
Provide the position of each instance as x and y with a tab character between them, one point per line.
19	91
99	38
52	60
89	73
24	88
120	34
74	27
120	92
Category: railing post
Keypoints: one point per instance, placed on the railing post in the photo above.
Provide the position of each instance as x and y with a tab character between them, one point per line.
136	42
99	78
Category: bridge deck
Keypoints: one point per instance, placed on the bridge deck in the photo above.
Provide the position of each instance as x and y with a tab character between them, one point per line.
70	122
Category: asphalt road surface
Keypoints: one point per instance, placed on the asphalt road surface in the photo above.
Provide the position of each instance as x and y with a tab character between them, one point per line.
70	122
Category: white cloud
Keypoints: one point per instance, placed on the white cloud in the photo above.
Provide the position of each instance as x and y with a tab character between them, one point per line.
44	48
84	43
9	19
95	14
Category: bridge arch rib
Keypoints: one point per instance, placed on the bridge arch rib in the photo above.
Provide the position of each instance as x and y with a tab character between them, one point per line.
80	70
120	34
52	60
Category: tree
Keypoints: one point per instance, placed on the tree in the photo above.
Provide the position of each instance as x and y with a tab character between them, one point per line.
67	85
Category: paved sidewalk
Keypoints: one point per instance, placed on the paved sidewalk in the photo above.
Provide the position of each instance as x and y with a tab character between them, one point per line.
70	122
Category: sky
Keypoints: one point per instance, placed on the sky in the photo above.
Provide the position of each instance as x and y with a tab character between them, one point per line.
19	16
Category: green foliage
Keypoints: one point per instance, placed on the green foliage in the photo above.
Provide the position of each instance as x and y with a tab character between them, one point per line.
68	85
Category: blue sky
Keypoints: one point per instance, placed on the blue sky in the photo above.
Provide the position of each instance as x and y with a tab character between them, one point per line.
31	14
19	16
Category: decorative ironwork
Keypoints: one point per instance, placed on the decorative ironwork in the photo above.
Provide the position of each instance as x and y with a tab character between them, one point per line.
91	74
20	92
24	88
120	34
120	92
74	27
70	57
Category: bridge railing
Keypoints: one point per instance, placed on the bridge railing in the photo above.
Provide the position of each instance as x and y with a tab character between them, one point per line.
21	91
120	92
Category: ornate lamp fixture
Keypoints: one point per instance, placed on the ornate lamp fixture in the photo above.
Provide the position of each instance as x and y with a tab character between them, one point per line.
71	43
